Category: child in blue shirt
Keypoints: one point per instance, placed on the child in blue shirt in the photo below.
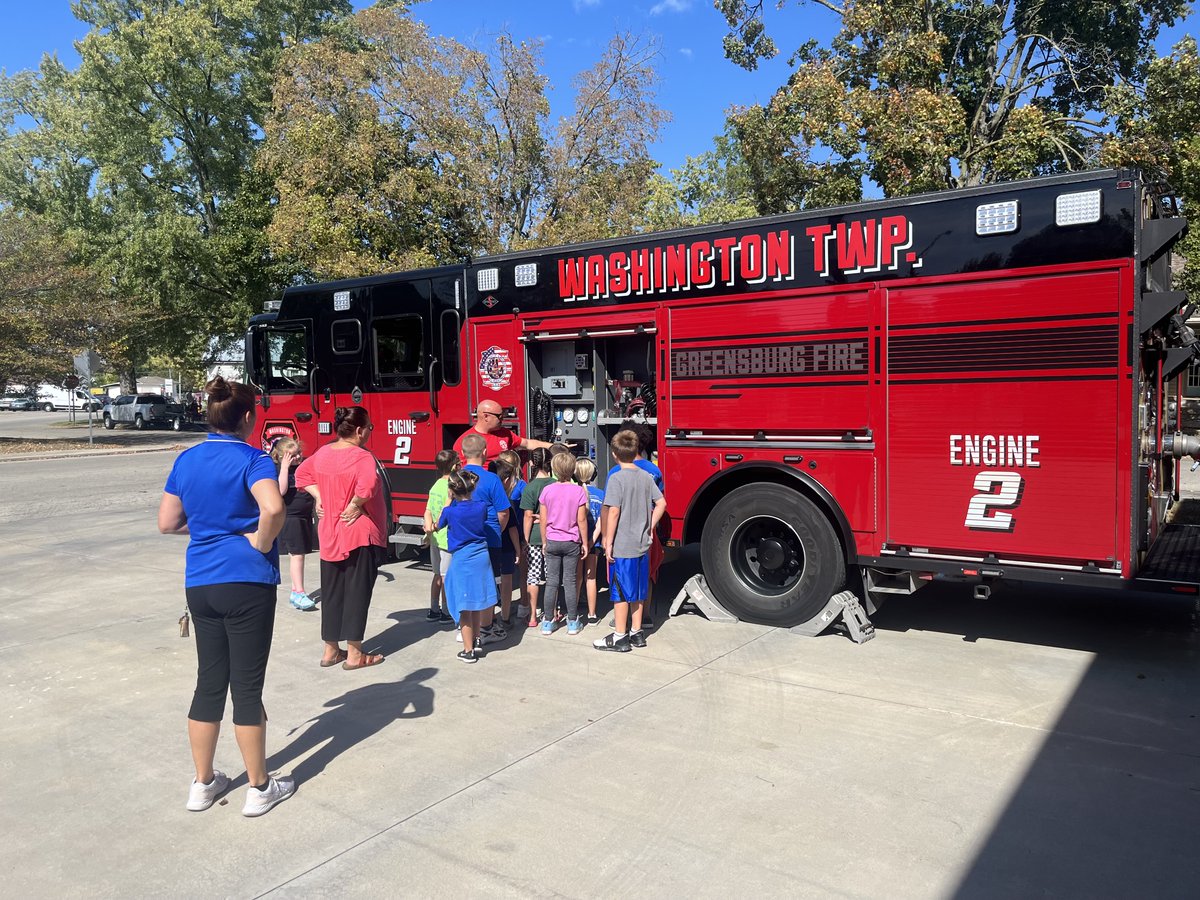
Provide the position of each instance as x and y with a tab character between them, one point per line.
470	587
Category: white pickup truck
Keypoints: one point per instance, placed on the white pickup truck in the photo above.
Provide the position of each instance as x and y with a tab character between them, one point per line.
144	411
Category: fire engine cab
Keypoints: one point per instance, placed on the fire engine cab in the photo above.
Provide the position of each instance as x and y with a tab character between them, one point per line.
977	384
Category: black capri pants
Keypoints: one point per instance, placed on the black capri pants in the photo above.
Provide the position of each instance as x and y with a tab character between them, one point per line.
234	624
346	587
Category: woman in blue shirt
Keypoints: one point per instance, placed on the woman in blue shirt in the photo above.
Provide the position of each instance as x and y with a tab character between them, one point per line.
225	495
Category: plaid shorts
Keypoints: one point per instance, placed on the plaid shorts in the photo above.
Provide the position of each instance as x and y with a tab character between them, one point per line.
537	566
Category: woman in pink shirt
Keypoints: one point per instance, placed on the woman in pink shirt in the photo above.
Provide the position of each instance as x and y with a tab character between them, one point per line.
343	476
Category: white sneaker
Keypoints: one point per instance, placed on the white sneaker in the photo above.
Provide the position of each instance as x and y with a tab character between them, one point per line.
458	635
202	796
259	802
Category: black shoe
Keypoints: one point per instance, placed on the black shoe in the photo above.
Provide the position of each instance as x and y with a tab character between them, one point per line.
433	616
467	656
445	617
478	650
618	643
637	639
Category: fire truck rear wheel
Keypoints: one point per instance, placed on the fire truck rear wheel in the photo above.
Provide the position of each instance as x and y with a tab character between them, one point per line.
771	556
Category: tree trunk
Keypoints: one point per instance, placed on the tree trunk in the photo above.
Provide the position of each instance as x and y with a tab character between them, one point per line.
128	380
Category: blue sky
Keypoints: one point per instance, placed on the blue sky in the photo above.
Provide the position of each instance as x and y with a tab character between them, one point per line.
698	83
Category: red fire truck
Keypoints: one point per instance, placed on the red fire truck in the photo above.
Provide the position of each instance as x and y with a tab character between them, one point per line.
977	384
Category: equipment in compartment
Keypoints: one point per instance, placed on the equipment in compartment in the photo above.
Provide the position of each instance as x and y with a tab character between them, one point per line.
581	390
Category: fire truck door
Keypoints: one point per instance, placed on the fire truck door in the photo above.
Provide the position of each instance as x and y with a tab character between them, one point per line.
400	355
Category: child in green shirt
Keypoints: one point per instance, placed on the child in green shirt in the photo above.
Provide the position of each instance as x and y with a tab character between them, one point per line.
446	463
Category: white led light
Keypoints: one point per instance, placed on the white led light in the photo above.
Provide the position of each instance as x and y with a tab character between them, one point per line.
324	428
1077	209
488	279
525	274
997	218
568	416
581	415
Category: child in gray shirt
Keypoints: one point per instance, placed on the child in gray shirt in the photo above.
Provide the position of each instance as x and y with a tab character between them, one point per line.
633	504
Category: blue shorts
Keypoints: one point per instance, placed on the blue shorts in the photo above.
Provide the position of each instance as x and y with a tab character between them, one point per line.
629	578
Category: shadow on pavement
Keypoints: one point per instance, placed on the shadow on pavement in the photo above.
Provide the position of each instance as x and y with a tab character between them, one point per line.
1110	804
353	717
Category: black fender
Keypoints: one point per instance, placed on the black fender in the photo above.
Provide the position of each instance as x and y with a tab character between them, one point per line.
721	483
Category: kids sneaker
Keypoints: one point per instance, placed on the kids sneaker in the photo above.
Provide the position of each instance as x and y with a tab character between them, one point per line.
302	601
467	656
575	625
444	617
202	796
547	626
433	615
260	802
637	639
593	618
617	643
458	635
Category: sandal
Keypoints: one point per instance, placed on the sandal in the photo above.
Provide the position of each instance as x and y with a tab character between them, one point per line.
340	658
368	660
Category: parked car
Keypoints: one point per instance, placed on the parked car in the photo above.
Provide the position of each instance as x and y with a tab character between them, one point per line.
144	411
17	402
51	397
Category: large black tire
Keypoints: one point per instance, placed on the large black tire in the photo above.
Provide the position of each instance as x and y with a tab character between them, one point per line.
48	407
108	422
177	423
771	556
139	423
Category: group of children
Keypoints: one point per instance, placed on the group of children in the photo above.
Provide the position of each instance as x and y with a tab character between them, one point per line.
490	526
551	532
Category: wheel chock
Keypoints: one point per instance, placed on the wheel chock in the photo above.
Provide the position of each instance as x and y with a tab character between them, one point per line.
695	597
845	607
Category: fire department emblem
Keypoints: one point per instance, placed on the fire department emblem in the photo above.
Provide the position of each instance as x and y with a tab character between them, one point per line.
495	367
276	431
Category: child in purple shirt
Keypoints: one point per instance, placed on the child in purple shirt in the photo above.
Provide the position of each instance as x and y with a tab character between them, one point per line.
563	510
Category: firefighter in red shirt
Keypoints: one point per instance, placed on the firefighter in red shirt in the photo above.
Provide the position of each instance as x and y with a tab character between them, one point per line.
499	438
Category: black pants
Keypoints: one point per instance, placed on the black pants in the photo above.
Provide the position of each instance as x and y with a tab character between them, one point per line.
234	623
346	588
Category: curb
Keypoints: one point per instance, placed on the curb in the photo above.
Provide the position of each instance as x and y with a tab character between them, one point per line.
83	454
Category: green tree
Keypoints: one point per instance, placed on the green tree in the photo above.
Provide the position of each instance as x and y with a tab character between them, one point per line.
142	157
918	95
1159	133
392	148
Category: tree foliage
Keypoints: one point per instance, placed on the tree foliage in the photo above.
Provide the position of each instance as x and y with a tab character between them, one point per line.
141	157
1159	132
919	95
392	148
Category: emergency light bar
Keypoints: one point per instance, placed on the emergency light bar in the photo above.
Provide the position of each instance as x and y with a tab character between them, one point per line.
997	218
1081	208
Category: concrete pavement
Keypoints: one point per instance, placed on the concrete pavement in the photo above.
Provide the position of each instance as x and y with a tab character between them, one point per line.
1037	743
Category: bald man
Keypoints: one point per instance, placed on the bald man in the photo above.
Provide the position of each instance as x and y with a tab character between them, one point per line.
487	425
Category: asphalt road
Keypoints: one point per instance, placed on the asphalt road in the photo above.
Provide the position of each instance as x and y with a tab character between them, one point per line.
1041	743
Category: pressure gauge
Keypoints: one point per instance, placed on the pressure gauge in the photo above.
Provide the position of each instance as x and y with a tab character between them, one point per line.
568	416
581	415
